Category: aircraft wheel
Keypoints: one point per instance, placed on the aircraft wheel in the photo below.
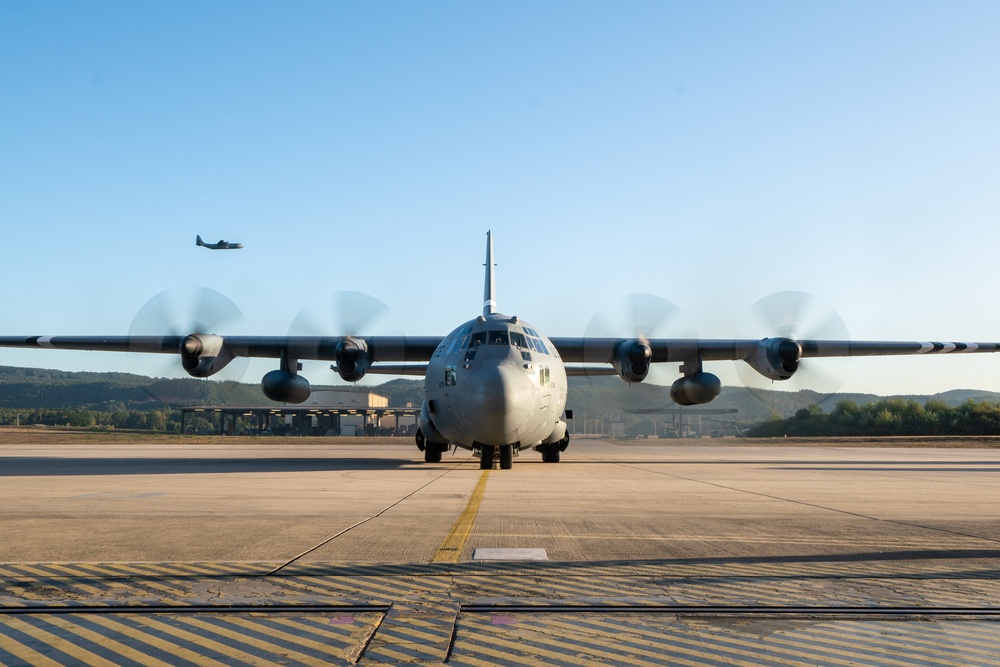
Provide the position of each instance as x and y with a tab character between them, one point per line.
506	457
486	458
550	455
432	452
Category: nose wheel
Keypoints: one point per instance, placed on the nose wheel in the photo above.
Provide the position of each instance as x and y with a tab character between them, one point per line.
489	454
486	457
506	457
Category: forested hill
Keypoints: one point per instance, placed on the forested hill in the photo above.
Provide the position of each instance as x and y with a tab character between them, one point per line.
596	397
41	388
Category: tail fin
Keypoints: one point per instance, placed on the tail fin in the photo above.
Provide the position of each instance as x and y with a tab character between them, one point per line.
198	241
489	293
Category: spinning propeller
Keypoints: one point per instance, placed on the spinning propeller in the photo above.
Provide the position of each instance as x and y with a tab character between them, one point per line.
799	316
182	312
642	317
351	314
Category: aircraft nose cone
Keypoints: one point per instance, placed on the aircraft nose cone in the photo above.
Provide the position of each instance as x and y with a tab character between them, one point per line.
498	403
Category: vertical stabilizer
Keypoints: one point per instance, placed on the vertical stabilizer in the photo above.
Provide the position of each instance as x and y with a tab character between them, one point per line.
198	241
489	295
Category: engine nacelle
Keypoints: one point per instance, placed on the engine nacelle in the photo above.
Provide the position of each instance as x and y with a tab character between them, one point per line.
695	389
285	387
776	358
631	360
203	355
353	359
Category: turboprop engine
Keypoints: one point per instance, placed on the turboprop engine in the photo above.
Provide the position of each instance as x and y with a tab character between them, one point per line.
203	355
776	358
631	360
353	359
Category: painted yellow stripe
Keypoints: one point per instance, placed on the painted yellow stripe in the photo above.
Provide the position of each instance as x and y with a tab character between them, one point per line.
349	637
908	643
273	644
536	640
693	642
70	626
25	653
137	632
203	635
451	549
365	589
33	573
331	649
174	594
552	649
81	655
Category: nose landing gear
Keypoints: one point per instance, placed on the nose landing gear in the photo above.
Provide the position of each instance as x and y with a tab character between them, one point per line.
489	455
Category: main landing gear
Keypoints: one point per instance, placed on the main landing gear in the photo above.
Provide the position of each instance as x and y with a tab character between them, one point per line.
432	450
550	453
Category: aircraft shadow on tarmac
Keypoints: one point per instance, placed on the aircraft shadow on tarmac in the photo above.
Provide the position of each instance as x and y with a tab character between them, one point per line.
966	564
41	466
815	464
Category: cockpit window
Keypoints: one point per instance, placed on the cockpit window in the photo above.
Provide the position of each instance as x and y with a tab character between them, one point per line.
517	339
499	338
540	346
455	343
478	338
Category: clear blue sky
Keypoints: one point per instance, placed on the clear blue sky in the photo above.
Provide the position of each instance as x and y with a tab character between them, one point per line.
709	153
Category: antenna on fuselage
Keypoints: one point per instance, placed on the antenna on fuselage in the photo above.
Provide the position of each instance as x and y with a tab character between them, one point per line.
489	295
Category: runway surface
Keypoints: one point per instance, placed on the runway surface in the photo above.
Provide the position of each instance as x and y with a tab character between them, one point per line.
297	551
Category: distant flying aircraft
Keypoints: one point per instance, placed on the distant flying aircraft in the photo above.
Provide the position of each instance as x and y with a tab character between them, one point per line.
221	245
495	385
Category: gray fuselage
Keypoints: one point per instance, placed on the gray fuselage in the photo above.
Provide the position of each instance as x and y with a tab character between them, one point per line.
495	381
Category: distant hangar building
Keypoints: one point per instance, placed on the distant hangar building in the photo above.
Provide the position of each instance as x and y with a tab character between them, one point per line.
325	412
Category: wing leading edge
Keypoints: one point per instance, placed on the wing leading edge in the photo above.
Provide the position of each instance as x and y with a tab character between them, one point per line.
203	355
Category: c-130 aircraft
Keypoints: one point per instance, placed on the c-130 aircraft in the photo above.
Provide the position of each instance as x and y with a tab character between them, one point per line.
221	245
495	385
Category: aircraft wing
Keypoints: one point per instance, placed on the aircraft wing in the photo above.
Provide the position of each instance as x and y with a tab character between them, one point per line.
773	358
604	350
205	354
380	348
396	349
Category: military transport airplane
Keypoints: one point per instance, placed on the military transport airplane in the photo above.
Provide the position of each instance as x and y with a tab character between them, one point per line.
495	385
221	245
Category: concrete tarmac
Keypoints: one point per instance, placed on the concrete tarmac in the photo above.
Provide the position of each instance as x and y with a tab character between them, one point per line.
647	525
651	499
